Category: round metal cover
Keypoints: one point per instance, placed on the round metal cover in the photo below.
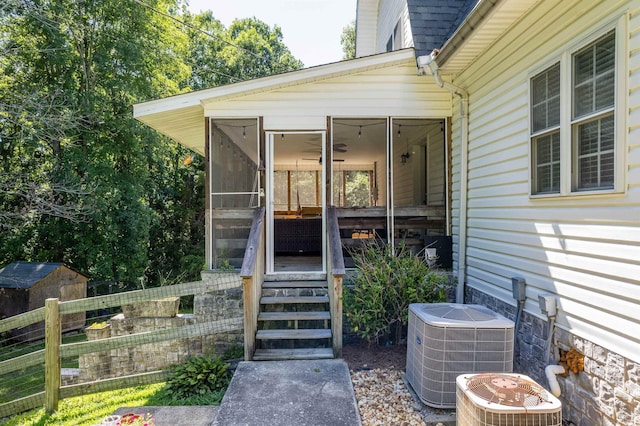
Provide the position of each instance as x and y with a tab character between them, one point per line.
507	390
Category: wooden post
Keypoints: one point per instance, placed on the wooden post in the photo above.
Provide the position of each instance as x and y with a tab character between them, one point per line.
250	317
336	316
334	279
52	341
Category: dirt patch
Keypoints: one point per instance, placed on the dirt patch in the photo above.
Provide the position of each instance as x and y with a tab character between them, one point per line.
360	355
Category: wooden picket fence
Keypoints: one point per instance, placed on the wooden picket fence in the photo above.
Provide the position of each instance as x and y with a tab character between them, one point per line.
55	351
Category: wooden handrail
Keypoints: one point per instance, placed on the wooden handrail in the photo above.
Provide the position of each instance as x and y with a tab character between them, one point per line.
252	273
335	242
251	252
409	211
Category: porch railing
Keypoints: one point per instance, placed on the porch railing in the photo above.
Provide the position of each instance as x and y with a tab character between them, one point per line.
252	273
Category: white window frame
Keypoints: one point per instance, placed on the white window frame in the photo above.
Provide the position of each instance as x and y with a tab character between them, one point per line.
537	134
568	155
395	40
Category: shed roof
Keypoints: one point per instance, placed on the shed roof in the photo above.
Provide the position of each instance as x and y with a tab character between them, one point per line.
26	274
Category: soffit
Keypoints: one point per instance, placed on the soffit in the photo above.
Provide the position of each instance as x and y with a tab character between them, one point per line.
481	29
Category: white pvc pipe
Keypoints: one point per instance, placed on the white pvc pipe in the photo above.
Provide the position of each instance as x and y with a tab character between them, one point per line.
464	171
551	371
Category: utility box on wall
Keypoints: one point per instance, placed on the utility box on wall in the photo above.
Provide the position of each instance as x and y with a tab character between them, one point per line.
442	245
24	286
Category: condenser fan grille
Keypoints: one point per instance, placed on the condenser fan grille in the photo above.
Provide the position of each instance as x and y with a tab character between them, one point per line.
507	390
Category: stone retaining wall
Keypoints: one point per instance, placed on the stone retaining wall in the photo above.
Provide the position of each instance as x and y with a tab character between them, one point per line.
606	393
156	356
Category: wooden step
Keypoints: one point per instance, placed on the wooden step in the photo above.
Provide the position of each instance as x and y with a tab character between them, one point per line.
280	354
302	333
294	284
296	276
293	299
294	316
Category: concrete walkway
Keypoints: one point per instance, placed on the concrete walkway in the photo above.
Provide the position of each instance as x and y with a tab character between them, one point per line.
290	393
265	393
175	416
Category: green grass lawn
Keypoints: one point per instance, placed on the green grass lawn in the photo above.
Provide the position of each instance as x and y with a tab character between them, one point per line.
30	380
91	409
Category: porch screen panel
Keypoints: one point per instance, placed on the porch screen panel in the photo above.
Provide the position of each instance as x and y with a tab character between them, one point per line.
359	176
235	188
419	183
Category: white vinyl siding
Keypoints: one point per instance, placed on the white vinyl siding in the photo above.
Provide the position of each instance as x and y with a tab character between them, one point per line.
393	21
582	248
366	27
393	91
436	166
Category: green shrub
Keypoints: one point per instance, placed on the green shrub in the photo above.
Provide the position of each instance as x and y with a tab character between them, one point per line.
233	352
198	376
385	283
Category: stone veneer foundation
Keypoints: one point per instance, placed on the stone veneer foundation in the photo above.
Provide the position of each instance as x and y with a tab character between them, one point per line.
606	393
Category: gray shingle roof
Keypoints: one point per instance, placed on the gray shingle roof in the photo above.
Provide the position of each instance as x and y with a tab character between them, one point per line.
25	274
433	22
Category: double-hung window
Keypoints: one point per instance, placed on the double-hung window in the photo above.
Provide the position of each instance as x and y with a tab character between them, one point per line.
593	107
573	122
545	123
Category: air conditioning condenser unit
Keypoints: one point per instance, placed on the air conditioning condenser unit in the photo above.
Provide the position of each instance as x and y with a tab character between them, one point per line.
445	340
504	400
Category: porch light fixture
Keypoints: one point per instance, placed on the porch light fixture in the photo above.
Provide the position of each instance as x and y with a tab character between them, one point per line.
426	63
244	132
360	132
282	136
404	157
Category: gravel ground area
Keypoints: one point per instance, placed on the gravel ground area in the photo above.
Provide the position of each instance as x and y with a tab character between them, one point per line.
383	398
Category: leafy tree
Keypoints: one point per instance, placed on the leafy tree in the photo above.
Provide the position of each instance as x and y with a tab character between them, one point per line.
348	41
98	58
81	181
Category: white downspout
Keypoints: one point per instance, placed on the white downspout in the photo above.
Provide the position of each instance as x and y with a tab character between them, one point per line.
429	61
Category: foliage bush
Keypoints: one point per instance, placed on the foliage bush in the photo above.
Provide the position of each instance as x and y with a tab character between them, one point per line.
233	352
385	283
198	376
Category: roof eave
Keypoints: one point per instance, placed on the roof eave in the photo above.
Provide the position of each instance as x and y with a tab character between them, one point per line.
486	23
466	29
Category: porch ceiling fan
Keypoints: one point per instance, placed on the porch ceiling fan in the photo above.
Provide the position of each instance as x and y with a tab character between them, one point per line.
337	147
319	160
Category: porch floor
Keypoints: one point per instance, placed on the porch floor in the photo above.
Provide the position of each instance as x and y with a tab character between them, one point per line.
298	264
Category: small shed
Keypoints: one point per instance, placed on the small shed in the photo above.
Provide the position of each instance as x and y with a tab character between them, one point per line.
25	286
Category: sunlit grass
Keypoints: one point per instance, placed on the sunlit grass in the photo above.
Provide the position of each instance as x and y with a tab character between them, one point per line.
89	409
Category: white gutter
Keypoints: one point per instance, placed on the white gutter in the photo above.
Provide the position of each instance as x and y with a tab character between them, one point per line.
428	65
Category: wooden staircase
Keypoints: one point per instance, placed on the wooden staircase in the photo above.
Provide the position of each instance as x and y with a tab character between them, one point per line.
294	321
